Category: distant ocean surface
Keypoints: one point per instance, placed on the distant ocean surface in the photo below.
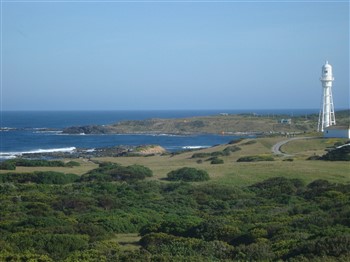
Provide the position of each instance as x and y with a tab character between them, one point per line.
23	131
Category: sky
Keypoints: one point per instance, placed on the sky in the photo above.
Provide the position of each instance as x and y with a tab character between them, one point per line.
168	55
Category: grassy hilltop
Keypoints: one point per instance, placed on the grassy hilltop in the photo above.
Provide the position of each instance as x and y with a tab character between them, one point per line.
212	124
217	124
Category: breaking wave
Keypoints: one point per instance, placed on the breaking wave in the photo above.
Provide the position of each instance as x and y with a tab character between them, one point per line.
194	147
48	132
10	155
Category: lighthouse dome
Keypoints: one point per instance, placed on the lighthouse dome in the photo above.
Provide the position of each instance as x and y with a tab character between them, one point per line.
327	71
327	65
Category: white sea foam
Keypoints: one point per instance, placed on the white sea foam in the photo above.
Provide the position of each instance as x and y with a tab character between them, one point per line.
170	135
90	150
5	129
194	147
9	155
6	156
52	150
48	132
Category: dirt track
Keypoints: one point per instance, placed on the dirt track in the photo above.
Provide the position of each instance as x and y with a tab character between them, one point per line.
276	148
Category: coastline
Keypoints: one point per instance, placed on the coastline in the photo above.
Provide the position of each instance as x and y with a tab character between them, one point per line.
25	134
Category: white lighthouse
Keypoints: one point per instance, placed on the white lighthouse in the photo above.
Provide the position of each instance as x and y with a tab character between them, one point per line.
327	116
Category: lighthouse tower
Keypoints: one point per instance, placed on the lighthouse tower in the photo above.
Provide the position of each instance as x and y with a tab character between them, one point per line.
326	117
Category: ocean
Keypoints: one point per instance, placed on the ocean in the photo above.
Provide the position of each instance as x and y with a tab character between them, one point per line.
41	131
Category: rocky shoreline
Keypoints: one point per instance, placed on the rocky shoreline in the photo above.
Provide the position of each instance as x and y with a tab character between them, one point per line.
117	151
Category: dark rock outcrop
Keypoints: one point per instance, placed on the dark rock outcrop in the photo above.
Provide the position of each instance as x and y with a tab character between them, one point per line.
93	129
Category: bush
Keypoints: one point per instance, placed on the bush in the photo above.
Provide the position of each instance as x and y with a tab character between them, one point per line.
230	149
216	161
338	154
188	174
72	164
172	246
255	158
11	164
134	172
277	186
56	245
232	142
250	142
35	163
200	155
7	165
115	172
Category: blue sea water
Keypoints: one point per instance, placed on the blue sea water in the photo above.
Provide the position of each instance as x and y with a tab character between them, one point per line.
26	131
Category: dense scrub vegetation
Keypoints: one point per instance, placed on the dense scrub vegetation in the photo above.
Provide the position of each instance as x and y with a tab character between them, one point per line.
44	177
11	164
340	152
276	219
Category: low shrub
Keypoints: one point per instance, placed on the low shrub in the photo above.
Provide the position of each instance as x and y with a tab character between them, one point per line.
188	174
11	164
230	149
200	155
255	158
115	172
72	164
236	141
216	161
250	142
7	165
35	163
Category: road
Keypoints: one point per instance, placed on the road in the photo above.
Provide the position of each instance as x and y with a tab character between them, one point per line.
276	148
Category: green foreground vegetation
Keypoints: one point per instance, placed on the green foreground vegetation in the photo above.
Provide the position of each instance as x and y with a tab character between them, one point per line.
164	208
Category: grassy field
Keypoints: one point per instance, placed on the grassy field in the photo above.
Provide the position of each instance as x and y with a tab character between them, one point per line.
233	172
310	146
238	173
128	241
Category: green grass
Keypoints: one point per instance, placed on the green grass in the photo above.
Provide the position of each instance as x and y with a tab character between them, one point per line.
310	146
128	241
233	172
242	174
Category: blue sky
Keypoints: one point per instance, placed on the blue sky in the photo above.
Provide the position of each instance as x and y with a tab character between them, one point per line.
172	55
